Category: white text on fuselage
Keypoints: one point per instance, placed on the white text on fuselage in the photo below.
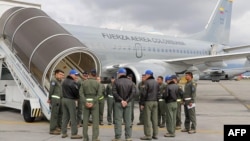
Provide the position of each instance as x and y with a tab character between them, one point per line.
140	39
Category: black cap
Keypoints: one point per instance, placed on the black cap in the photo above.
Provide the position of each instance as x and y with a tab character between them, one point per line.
85	72
93	71
174	77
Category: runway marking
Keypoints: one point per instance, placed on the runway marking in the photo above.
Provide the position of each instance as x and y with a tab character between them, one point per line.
236	97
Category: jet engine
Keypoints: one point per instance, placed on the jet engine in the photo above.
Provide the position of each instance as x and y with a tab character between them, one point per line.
137	69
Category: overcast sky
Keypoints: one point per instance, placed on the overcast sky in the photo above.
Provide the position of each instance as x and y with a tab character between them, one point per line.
170	17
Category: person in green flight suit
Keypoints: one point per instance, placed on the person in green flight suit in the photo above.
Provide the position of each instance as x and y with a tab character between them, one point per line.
179	102
79	103
161	103
101	101
140	88
170	96
123	91
130	77
110	101
149	102
55	101
91	91
70	93
189	96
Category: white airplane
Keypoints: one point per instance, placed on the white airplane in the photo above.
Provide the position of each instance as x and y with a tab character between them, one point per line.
165	55
83	48
32	46
231	72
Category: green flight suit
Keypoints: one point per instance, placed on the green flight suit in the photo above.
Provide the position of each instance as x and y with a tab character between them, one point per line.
123	90
125	114
70	93
133	104
189	96
110	103
55	96
171	110
79	106
161	107
150	118
102	104
179	104
91	91
140	88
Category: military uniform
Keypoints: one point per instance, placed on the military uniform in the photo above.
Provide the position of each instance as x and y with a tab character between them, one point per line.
70	96
170	96
110	103
140	88
189	96
161	107
55	96
91	91
79	106
150	103
133	104
179	104
101	104
123	91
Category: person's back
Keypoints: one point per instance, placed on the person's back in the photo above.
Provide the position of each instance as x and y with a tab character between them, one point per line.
179	102
170	96
172	90
123	91
90	86
110	102
90	92
140	90
123	86
101	101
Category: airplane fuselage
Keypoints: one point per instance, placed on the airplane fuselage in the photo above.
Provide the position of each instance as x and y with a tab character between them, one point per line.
116	47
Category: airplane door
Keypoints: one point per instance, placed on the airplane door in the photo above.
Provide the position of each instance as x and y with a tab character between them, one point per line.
138	50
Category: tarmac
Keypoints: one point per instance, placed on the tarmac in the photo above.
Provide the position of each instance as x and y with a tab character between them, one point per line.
218	104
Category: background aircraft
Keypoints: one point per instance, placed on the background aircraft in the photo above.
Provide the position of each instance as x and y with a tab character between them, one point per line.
233	71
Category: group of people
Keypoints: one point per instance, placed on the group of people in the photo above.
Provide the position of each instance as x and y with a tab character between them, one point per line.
73	101
170	97
160	104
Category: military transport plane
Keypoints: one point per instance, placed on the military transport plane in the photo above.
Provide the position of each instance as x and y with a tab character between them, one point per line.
164	55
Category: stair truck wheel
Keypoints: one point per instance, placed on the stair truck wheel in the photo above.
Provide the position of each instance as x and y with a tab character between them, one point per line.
27	112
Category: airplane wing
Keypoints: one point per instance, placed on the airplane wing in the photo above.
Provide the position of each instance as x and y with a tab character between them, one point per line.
188	61
236	48
208	59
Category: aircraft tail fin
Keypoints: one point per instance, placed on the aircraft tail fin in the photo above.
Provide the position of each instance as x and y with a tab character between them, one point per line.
217	29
